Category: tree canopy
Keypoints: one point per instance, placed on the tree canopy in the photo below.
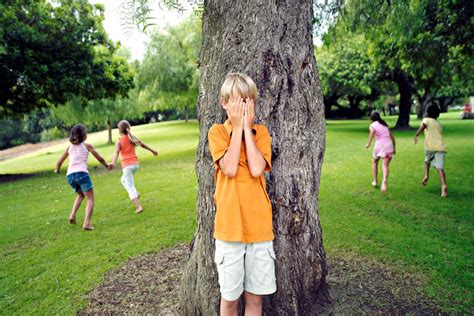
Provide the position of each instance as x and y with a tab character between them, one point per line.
52	51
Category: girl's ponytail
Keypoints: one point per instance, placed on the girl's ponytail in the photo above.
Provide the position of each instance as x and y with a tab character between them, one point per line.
375	116
132	138
124	128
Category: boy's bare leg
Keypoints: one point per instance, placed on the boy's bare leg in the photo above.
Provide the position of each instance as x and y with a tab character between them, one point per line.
138	205
444	186
427	174
75	207
385	163
229	308
375	169
89	210
253	304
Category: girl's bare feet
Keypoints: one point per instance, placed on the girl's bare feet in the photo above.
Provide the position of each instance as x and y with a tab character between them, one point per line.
88	228
374	184
72	221
444	191
139	210
425	180
383	188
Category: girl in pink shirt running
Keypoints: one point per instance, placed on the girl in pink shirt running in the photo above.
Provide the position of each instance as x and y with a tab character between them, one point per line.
77	173
384	148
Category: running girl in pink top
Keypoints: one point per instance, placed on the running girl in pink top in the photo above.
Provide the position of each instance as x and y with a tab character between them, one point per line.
77	173
384	148
125	147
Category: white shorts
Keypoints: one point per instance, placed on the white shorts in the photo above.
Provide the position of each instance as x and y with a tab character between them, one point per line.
249	267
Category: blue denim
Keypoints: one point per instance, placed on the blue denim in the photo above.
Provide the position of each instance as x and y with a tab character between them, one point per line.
80	181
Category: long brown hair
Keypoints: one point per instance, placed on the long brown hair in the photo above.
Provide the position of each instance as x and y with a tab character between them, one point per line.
375	116
78	134
124	128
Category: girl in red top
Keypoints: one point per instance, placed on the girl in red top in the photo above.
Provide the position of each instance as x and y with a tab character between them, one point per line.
125	146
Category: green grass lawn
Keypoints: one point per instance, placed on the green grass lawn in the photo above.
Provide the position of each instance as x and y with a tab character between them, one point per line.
48	266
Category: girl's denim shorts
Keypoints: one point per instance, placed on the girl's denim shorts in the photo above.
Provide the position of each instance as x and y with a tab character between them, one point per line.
80	181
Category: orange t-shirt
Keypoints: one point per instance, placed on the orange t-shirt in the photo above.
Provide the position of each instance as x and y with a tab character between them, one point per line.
127	152
243	208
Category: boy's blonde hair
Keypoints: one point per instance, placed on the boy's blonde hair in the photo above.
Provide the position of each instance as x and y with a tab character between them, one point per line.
236	83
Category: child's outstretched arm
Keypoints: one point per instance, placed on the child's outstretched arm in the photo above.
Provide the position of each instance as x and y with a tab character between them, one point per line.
421	129
98	156
154	152
61	160
116	153
371	137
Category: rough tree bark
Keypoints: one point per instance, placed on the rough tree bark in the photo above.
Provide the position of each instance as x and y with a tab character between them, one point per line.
272	42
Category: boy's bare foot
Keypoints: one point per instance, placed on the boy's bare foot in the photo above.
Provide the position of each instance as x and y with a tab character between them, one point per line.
383	189
139	210
88	228
374	184
424	181
444	191
72	221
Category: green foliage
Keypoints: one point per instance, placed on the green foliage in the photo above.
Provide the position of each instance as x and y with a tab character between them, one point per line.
52	51
168	76
52	134
425	45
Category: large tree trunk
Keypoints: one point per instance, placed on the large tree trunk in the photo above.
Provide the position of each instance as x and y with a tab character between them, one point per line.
354	103
406	91
272	42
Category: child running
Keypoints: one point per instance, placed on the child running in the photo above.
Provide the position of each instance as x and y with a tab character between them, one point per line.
384	148
125	146
241	152
77	173
435	150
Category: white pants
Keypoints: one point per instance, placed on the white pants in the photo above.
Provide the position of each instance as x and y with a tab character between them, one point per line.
128	182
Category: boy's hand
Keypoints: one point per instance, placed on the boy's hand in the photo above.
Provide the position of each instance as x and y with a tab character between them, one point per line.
249	113
235	112
110	166
56	170
155	153
416	139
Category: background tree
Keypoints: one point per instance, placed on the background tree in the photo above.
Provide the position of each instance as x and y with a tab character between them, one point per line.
168	76
52	51
347	70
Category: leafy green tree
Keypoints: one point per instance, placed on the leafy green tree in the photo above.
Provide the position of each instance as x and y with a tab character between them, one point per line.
168	76
413	42
347	70
51	51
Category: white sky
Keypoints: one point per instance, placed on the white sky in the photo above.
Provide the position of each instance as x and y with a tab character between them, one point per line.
135	41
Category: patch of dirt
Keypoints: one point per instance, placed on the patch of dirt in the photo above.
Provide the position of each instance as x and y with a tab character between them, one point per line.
149	284
14	177
26	149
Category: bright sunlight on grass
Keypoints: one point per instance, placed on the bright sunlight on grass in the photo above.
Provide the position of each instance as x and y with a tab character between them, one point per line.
48	266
